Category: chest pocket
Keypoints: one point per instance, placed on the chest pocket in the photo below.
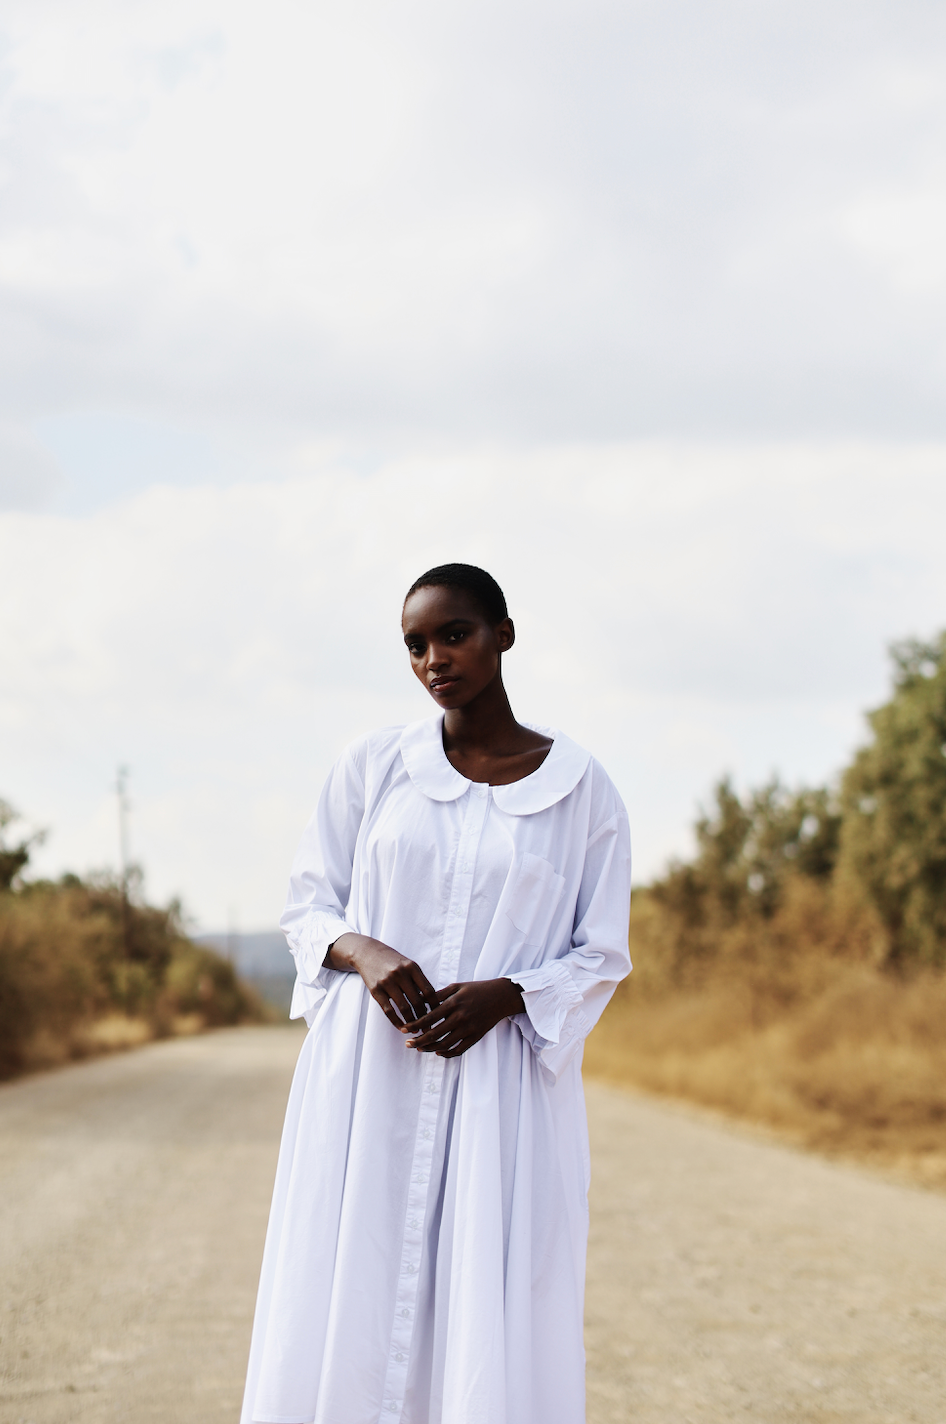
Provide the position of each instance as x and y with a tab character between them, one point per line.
534	899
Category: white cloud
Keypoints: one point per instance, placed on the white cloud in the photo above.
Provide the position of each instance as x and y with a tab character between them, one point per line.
29	475
577	221
905	234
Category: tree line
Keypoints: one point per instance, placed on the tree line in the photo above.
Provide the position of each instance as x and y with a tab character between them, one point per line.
86	963
869	850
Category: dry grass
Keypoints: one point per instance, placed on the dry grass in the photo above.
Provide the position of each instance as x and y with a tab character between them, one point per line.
71	985
112	1033
825	1047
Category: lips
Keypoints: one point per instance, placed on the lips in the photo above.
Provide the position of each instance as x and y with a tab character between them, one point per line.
440	684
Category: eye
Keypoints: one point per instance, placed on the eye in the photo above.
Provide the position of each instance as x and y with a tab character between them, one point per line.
415	649
455	637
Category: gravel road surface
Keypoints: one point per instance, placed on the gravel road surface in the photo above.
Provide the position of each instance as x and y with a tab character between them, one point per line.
729	1278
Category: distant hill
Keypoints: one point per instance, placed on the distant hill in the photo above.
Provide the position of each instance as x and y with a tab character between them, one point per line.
261	958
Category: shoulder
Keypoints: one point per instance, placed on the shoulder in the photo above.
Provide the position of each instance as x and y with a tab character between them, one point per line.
604	796
594	782
380	746
599	792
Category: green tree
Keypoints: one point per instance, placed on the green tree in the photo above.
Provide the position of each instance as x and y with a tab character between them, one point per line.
893	836
746	849
13	858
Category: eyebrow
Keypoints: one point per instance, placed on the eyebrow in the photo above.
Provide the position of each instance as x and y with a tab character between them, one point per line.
451	623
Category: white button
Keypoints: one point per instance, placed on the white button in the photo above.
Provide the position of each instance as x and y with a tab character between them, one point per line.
412	1270
405	1312
391	1405
413	1225
399	1356
427	1134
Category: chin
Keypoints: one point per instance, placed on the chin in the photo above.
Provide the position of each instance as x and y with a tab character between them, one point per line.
451	698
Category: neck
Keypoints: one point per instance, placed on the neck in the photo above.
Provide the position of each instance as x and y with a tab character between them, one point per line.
484	722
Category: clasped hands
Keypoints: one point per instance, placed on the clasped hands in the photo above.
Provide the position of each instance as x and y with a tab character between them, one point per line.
445	1021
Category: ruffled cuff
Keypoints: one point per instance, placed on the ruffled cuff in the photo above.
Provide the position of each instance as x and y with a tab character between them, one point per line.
554	1023
548	993
309	944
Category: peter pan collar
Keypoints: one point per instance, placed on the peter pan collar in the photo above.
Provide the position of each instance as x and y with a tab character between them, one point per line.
427	765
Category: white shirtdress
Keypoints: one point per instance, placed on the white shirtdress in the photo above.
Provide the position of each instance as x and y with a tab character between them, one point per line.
425	1256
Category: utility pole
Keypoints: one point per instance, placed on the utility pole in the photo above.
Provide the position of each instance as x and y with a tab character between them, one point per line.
121	789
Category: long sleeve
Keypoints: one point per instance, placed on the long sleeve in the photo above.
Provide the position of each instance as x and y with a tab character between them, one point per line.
565	997
320	884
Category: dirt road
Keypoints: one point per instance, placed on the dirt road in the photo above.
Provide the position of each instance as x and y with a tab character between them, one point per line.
729	1279
733	1279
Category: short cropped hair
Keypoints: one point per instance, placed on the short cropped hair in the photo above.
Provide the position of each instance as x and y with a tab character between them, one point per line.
480	585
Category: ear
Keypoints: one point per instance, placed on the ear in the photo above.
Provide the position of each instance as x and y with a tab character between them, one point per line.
505	634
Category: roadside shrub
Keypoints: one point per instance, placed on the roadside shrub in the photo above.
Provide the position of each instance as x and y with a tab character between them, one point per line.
74	954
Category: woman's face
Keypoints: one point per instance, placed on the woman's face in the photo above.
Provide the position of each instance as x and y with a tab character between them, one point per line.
455	650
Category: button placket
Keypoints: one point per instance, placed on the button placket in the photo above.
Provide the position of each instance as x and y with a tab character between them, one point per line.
412	1244
462	887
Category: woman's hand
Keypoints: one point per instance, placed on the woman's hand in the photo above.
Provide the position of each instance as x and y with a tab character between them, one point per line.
465	1014
395	982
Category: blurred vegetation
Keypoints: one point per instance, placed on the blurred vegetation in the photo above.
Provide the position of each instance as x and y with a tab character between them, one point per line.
85	968
794	970
893	799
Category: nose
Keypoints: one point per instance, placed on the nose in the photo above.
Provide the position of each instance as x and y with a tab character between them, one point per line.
437	656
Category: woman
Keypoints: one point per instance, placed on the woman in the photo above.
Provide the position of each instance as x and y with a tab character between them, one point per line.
458	916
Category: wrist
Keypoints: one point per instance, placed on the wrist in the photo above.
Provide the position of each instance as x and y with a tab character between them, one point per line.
343	954
513	997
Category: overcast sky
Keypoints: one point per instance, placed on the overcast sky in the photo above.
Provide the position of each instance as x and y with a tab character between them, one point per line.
641	305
